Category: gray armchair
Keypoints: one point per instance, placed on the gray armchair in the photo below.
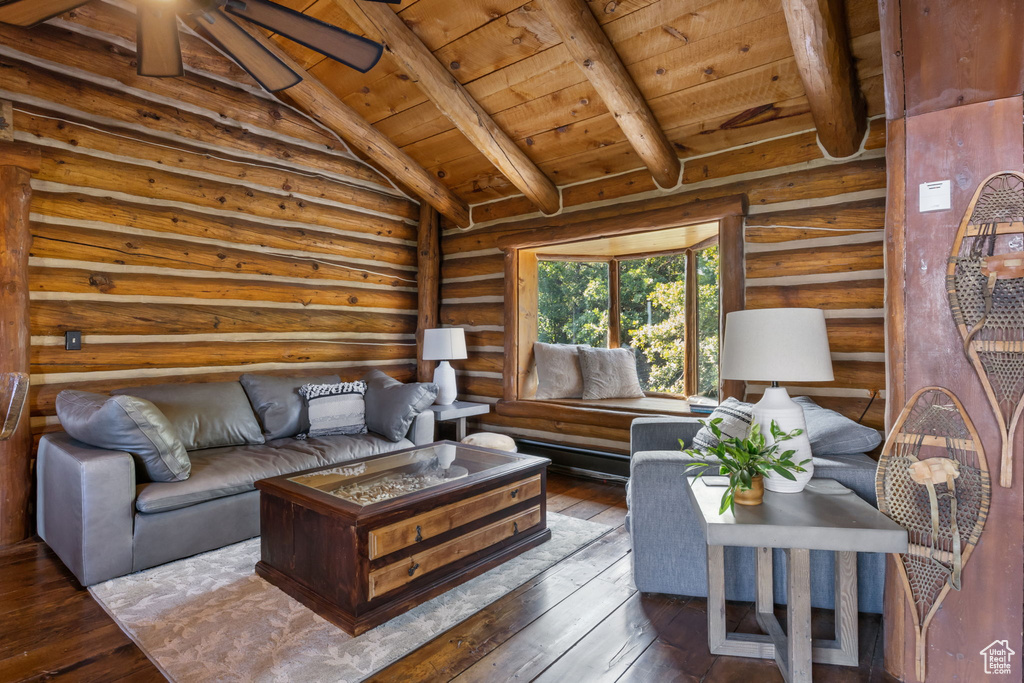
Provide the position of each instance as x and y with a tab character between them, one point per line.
669	549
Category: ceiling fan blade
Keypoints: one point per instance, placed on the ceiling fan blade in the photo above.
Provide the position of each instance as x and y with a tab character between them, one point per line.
355	51
157	42
261	64
32	12
390	2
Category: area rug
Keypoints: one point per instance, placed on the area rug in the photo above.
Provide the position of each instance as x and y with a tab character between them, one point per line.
210	618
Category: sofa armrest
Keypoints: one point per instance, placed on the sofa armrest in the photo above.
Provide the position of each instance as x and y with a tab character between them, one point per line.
661	433
422	430
85	506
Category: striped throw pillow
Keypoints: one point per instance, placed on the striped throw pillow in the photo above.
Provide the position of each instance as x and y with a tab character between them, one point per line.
736	418
335	408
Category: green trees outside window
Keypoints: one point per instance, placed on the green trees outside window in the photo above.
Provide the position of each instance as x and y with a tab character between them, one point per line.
575	301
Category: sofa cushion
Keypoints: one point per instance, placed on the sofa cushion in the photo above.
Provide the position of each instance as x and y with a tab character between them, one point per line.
206	415
558	370
392	406
126	423
338	408
736	418
277	403
831	433
609	373
220	472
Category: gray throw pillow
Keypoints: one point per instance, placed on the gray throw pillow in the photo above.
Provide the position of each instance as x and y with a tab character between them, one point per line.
334	409
126	423
392	406
558	370
831	433
206	415
609	373
277	403
736	418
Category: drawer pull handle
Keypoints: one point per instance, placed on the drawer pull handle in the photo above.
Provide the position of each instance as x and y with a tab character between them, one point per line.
413	568
514	492
515	528
419	534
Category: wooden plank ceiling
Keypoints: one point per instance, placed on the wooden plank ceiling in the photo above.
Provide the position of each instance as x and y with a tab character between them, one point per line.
716	74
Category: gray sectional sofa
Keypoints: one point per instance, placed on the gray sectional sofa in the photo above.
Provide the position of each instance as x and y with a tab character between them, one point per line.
669	550
101	515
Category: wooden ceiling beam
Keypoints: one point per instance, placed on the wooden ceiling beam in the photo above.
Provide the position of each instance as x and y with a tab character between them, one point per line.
437	83
316	100
594	53
817	30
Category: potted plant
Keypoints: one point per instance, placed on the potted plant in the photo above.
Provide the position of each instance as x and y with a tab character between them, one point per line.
745	461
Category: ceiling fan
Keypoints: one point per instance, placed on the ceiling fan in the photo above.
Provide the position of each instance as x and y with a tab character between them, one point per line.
159	52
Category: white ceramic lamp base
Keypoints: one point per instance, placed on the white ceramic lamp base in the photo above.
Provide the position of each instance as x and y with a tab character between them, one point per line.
444	378
778	406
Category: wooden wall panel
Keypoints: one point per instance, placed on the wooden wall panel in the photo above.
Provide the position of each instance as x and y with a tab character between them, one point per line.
813	237
965	143
193	230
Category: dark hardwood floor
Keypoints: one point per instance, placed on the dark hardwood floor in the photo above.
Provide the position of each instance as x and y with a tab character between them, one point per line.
581	620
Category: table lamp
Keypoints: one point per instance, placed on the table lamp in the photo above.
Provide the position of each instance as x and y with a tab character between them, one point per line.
779	345
444	344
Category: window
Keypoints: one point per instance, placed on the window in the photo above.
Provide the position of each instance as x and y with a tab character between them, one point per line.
650	303
589	276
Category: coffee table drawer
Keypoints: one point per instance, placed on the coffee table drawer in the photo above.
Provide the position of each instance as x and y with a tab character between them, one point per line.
396	575
387	539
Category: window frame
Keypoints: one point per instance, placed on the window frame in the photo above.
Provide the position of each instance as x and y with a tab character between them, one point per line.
615	310
521	293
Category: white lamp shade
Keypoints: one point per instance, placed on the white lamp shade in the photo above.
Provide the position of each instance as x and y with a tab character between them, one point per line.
444	343
777	345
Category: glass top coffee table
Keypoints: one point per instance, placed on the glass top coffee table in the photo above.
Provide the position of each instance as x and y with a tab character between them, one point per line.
363	541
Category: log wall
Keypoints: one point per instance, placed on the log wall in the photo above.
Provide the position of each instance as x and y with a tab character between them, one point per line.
813	237
195	228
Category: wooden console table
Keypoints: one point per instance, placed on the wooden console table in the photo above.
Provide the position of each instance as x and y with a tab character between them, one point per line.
824	516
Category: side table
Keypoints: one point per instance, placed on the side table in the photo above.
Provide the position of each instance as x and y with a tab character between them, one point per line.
824	516
459	411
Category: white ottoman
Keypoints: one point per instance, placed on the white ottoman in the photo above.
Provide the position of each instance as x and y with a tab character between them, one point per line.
499	442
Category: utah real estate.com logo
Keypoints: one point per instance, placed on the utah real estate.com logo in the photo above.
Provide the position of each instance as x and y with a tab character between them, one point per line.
998	657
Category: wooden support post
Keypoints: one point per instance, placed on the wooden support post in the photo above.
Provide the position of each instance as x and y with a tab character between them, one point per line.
445	91
428	285
691	330
614	306
817	30
17	164
730	253
596	56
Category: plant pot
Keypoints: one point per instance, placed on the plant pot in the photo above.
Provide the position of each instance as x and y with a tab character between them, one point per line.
752	496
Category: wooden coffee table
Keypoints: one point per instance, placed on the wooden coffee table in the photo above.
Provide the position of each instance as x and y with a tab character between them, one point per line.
364	541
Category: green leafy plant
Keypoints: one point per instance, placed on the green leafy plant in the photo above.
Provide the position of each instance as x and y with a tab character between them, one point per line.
743	459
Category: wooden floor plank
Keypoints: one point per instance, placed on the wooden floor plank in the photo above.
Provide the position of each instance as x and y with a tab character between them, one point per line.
533	649
605	653
460	647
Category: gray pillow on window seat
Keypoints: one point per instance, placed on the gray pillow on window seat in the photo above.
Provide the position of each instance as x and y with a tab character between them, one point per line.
609	373
558	370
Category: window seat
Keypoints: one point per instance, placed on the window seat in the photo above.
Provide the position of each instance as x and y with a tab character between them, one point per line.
616	414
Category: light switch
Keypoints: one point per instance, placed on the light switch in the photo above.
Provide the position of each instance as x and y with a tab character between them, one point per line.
73	341
934	196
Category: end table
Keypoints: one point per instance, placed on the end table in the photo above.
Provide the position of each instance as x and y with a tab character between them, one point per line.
459	411
824	516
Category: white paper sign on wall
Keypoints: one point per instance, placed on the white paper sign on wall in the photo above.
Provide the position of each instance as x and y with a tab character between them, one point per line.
934	196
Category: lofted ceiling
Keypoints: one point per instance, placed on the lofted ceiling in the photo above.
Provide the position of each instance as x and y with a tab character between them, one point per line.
716	74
